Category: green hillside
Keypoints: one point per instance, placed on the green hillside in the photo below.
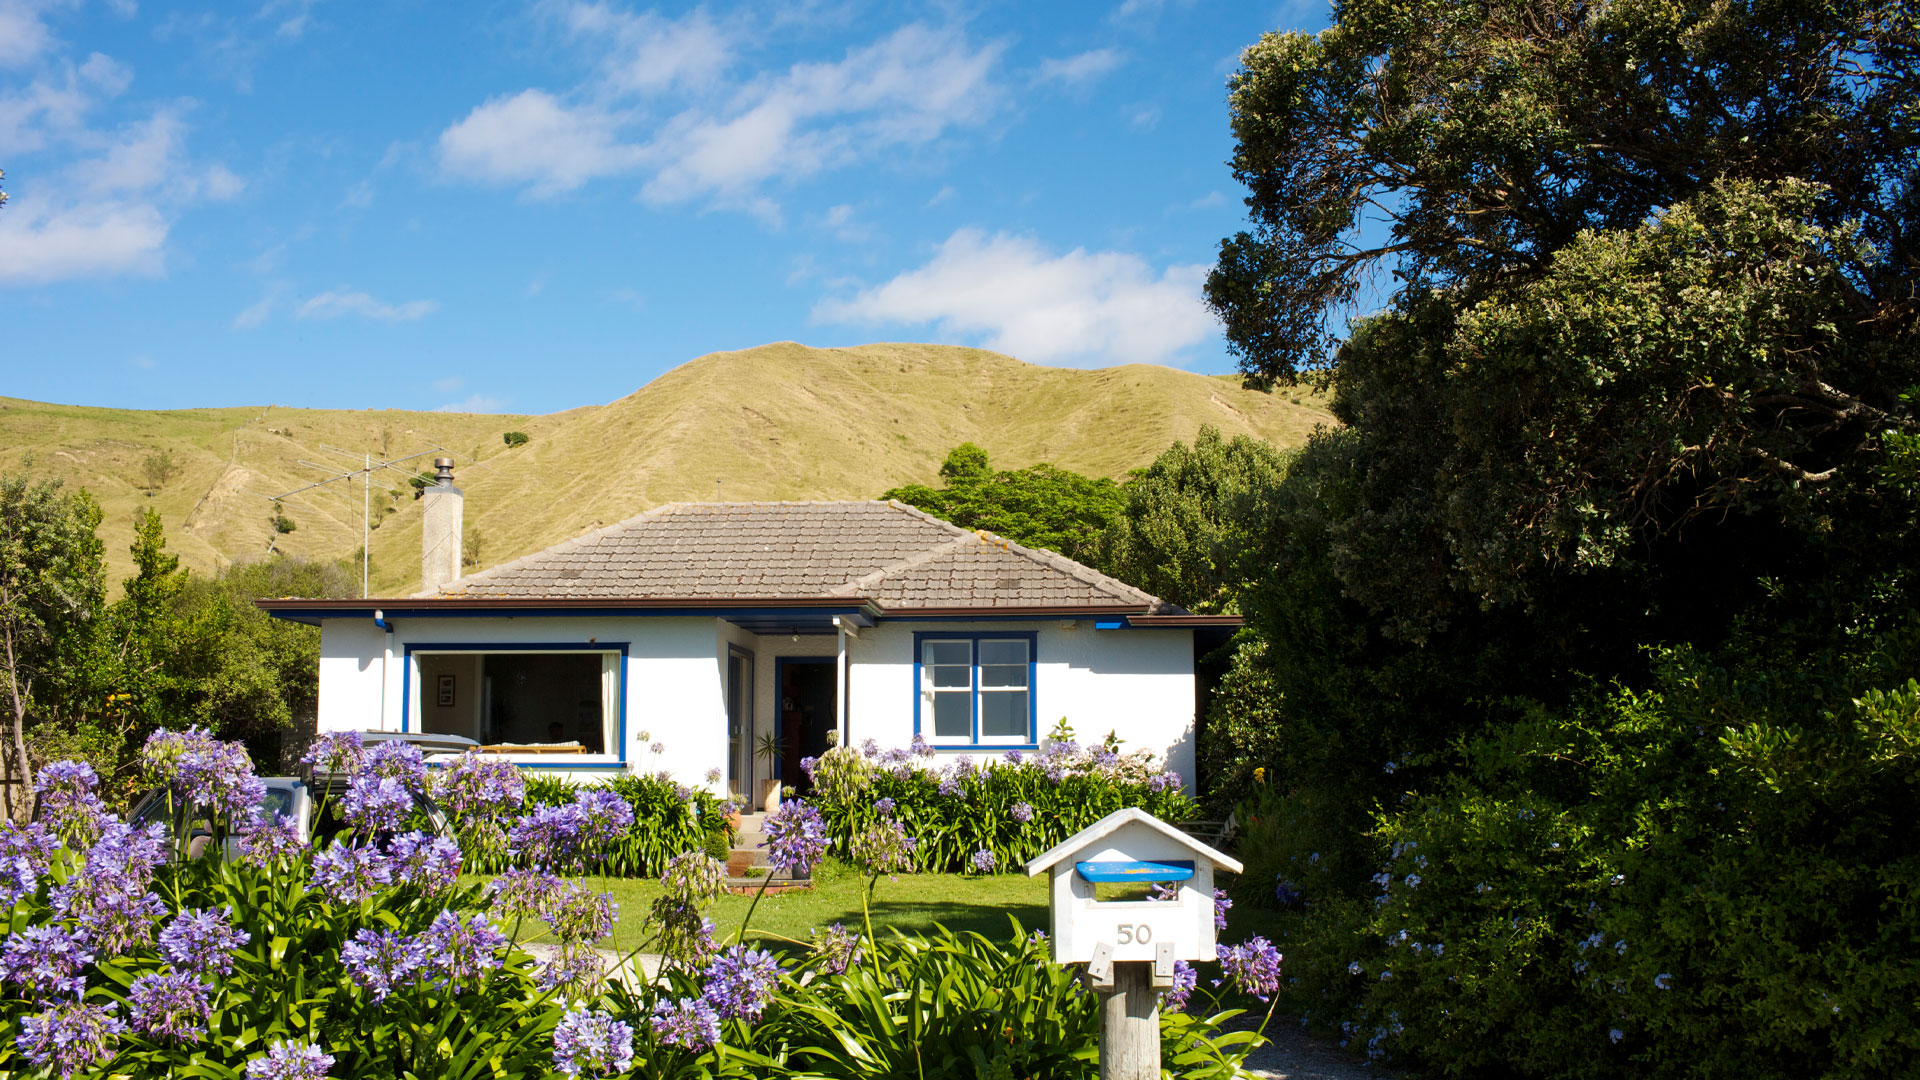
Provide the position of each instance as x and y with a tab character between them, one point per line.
781	421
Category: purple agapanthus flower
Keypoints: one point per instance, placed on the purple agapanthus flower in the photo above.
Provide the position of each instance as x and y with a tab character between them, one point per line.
351	873
740	982
1165	781
884	849
479	785
382	961
796	837
884	806
203	770
66	796
522	894
713	776
170	1005
270	842
869	747
109	902
604	816
70	1036
336	752
428	863
837	947
1221	902
24	856
1015	757
690	1023
462	952
921	748
983	861
202	941
46	961
1185	978
289	1059
376	804
808	764
575	914
950	786
593	1043
1020	812
397	759
574	972
1253	967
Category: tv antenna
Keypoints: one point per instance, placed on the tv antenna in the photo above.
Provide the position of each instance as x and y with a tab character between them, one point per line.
365	472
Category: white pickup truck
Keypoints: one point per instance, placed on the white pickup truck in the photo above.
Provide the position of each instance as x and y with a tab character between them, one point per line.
297	797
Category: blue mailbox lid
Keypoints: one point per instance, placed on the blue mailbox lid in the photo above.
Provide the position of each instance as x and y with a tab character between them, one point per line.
1136	870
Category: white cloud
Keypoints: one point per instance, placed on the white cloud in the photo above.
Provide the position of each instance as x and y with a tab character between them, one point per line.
106	237
23	32
474	403
724	145
533	138
257	313
1081	308
449	384
335	304
1083	68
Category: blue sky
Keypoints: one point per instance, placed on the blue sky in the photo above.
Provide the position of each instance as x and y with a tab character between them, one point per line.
528	207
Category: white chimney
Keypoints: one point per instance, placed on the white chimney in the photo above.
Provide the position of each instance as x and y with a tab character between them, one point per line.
440	535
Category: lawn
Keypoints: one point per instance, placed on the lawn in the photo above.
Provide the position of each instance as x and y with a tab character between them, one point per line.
911	903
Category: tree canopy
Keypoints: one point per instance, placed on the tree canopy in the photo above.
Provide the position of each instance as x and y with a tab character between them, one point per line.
1040	506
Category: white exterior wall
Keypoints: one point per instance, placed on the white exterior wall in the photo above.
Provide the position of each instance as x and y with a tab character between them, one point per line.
1138	684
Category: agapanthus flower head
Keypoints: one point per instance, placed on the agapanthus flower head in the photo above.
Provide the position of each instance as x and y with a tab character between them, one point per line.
522	894
713	776
576	914
351	873
169	1005
426	862
573	973
202	941
1054	771
1020	812
25	853
884	806
694	877
837	947
921	747
1185	978
1286	892
1253	967
963	765
950	786
336	752
592	1043
807	765
382	961
202	770
272	841
884	848
477	785
1063	748
66	797
740	982
462	952
796	837
1163	781
689	1023
1221	902
46	961
290	1059
550	834
869	747
376	804
685	935
983	861
1015	757
69	1037
657	748
1163	891
1105	758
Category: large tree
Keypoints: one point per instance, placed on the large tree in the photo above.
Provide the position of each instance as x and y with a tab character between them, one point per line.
1040	506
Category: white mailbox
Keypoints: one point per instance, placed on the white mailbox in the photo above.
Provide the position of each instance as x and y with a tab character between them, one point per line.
1131	845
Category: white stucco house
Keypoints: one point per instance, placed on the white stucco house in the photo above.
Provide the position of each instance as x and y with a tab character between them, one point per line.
704	628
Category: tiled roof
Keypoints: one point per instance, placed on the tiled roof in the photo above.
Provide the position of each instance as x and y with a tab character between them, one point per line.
886	552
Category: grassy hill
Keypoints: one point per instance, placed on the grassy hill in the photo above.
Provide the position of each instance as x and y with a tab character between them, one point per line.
781	421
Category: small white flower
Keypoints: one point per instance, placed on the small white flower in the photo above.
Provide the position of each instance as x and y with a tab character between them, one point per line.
1663	981
1353	968
1616	1034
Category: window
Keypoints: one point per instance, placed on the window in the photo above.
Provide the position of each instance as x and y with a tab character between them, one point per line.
976	689
535	701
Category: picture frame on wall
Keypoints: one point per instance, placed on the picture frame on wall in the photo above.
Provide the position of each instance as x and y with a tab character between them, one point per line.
446	697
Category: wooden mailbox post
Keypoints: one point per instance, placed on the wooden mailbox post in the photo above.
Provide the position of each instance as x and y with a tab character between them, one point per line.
1130	946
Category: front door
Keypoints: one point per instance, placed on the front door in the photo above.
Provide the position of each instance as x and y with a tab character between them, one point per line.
806	714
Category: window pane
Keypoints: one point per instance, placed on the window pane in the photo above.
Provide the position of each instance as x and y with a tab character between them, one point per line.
951	676
1003	652
1004	675
1003	714
952	716
947	652
551	699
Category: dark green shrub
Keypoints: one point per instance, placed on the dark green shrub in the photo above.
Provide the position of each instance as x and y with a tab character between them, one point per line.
514	438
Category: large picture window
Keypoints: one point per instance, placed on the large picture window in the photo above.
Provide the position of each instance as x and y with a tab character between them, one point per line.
976	690
536	702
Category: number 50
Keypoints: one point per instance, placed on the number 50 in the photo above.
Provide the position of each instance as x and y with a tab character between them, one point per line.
1131	933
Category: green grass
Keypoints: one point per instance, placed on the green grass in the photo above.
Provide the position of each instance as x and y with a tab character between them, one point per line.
912	904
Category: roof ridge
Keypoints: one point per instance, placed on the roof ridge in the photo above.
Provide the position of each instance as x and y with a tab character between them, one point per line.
865	581
1082	572
915	512
573	544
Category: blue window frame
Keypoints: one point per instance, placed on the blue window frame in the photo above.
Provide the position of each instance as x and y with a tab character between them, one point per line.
975	690
613	752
